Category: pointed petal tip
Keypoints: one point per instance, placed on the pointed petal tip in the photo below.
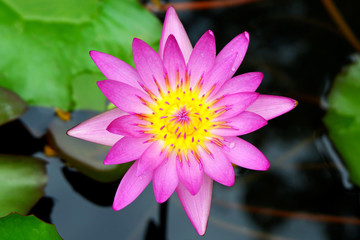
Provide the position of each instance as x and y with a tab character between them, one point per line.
263	166
136	41
271	106
173	25
75	132
197	207
247	35
171	9
70	132
295	103
230	183
96	55
115	208
106	162
160	199
292	103
100	83
210	32
130	188
172	37
201	230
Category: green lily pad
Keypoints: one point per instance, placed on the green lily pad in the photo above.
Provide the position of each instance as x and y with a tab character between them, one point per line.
84	156
11	106
45	45
16	227
22	182
343	118
55	10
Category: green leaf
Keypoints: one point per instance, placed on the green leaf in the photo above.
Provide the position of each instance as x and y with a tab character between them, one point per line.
45	45
89	97
16	227
55	10
22	182
84	156
11	106
343	117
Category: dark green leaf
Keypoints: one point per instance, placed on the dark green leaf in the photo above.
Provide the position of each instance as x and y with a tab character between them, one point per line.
22	182
16	227
11	106
56	10
343	118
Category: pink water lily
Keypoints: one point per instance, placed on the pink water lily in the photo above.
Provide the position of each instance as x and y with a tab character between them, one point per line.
178	115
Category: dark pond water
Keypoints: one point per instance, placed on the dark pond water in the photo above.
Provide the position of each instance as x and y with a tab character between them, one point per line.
306	193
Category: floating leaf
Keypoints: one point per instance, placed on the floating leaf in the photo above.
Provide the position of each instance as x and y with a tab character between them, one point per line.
11	106
15	226
55	10
86	157
343	117
89	97
22	182
45	45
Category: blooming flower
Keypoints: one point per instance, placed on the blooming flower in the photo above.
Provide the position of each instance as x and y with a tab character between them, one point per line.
178	116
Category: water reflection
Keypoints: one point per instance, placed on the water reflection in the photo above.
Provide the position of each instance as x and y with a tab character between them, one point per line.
96	192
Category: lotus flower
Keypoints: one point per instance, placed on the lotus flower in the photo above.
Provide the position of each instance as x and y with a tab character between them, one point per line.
178	115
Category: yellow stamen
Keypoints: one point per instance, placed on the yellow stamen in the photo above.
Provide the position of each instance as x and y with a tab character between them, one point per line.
182	118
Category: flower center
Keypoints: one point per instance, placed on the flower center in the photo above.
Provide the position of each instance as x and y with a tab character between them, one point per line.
182	118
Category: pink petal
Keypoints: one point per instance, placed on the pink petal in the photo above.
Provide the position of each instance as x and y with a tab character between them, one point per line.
172	25
94	129
190	174
246	155
128	125
239	44
130	187
197	207
218	75
234	104
174	61
165	180
269	106
149	66
115	69
124	96
247	82
125	150
216	165
202	57
151	158
244	123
